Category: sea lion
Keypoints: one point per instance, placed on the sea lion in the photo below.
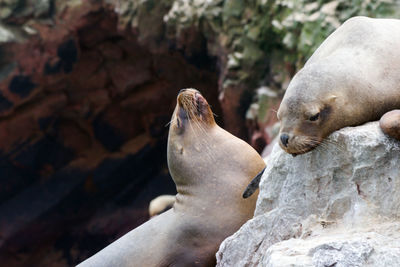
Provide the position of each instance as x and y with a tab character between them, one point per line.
352	78
161	204
210	168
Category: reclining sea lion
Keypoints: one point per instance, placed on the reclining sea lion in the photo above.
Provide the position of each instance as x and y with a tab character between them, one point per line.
352	78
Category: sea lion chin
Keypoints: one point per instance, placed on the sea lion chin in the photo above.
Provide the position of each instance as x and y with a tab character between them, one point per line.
352	78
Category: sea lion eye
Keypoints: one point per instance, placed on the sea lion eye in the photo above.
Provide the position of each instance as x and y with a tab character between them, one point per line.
314	117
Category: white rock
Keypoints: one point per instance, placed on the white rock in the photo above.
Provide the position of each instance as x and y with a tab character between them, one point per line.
339	204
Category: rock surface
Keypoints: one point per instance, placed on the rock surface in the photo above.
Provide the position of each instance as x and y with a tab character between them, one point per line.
338	205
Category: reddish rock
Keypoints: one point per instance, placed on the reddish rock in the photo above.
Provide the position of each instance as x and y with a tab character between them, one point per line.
83	112
127	75
234	103
110	51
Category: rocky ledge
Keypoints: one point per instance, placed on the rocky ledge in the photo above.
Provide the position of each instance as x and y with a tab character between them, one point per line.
338	205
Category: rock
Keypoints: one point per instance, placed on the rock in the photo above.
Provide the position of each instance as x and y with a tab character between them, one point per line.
372	246
335	206
83	110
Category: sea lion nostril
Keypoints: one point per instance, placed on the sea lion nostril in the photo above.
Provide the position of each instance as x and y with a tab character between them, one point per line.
284	139
181	91
198	104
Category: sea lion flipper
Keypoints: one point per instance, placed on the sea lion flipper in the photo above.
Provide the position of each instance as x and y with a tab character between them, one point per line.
252	187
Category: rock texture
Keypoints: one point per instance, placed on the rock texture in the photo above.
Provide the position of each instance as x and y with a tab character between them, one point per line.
338	205
83	110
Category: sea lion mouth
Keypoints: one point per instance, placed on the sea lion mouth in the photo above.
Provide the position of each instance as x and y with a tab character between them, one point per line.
298	151
300	146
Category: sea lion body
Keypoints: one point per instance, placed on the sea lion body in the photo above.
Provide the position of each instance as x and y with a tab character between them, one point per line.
352	78
210	168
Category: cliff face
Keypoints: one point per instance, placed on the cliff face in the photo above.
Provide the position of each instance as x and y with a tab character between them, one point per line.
337	205
83	113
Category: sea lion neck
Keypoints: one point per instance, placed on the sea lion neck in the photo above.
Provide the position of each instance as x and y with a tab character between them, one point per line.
190	152
190	160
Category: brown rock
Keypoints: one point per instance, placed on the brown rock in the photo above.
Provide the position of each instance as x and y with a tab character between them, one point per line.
127	75
110	51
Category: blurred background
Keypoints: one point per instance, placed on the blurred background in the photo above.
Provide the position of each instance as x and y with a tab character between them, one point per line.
87	88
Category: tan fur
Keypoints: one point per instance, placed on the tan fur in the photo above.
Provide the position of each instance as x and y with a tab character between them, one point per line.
210	168
352	78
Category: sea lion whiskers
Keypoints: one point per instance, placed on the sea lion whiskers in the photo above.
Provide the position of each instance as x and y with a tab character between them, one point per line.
307	143
325	145
304	147
204	141
187	103
173	119
327	142
331	144
168	123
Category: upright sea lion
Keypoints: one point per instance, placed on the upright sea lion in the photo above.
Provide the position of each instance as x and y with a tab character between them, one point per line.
210	168
352	78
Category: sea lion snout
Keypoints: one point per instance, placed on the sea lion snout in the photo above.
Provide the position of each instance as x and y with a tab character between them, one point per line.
296	142
192	104
284	139
188	97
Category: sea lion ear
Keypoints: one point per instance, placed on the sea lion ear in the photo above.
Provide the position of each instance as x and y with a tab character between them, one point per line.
254	184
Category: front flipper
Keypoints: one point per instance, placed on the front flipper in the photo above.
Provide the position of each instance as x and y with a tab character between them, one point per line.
390	123
252	187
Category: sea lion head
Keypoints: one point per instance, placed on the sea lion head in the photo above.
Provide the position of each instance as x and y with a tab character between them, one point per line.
307	113
192	109
190	134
